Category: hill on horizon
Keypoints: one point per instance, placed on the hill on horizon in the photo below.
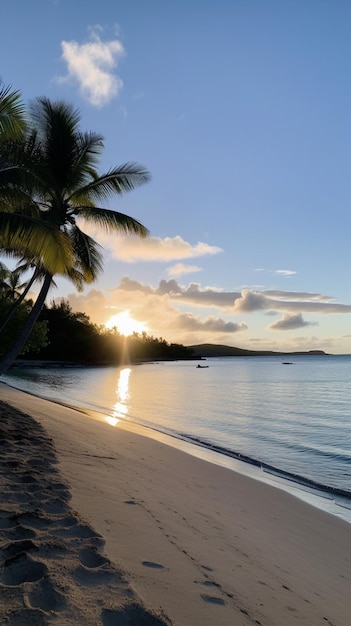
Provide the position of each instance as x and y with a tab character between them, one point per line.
213	350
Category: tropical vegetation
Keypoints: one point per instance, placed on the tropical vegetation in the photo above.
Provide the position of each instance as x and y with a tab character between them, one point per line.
50	190
71	338
14	310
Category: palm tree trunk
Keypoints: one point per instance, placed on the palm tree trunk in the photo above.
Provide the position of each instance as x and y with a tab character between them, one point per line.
16	348
17	302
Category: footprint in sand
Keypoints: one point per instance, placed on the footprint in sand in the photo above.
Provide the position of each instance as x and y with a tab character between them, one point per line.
77	531
130	614
56	506
207	568
38	464
21	569
32	519
20	532
207	583
44	596
15	496
212	599
89	557
7	522
12	549
153	565
93	577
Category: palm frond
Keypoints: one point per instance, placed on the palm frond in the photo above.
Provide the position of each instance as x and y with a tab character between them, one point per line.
76	277
17	200
88	254
112	221
12	111
35	239
88	148
118	180
56	125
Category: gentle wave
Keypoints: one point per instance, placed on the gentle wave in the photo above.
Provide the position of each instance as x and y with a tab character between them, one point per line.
301	480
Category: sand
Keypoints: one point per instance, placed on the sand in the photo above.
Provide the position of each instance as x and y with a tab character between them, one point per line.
102	525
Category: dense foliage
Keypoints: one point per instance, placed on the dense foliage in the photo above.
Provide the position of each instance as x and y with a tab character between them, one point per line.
73	337
36	340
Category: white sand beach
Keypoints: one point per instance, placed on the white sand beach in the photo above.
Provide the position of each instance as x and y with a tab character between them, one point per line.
102	525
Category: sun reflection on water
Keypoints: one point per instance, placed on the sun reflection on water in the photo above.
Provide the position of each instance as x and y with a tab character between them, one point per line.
120	409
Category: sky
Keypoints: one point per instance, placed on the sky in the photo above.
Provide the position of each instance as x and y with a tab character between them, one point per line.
240	110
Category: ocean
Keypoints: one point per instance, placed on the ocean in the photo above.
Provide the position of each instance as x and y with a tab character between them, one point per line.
290	420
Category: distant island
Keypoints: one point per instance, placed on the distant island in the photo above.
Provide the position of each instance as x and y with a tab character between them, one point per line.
215	350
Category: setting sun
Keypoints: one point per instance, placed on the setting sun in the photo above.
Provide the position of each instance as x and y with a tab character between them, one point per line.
125	324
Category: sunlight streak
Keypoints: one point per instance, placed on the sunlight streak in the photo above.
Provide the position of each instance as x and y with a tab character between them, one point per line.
125	324
120	409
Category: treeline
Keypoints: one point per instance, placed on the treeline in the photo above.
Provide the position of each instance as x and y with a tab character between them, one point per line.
63	335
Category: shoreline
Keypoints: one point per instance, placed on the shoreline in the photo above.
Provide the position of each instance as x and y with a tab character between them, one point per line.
330	499
199	542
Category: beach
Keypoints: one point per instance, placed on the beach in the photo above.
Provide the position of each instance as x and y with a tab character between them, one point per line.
103	525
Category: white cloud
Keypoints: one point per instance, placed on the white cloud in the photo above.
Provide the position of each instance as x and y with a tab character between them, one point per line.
290	322
189	322
181	268
193	294
248	301
251	301
296	295
91	64
131	249
285	272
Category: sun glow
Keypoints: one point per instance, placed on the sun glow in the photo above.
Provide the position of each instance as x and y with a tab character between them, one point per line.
125	324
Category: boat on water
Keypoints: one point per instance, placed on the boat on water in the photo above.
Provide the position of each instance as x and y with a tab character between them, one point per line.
202	366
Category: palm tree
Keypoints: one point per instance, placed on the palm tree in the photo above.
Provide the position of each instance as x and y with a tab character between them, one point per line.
22	234
10	285
12	112
55	183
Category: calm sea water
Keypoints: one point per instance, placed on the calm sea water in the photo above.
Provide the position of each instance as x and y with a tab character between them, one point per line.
294	418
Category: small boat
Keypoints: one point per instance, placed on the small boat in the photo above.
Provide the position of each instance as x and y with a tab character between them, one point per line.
202	366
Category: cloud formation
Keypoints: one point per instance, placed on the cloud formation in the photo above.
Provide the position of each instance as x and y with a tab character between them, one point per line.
290	322
251	301
131	249
180	268
167	310
193	294
296	295
237	303
91	64
285	272
189	322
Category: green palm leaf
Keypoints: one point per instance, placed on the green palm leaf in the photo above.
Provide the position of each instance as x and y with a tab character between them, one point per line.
112	221
31	238
12	123
88	253
118	180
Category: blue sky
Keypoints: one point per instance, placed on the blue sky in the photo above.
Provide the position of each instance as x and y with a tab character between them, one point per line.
241	112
